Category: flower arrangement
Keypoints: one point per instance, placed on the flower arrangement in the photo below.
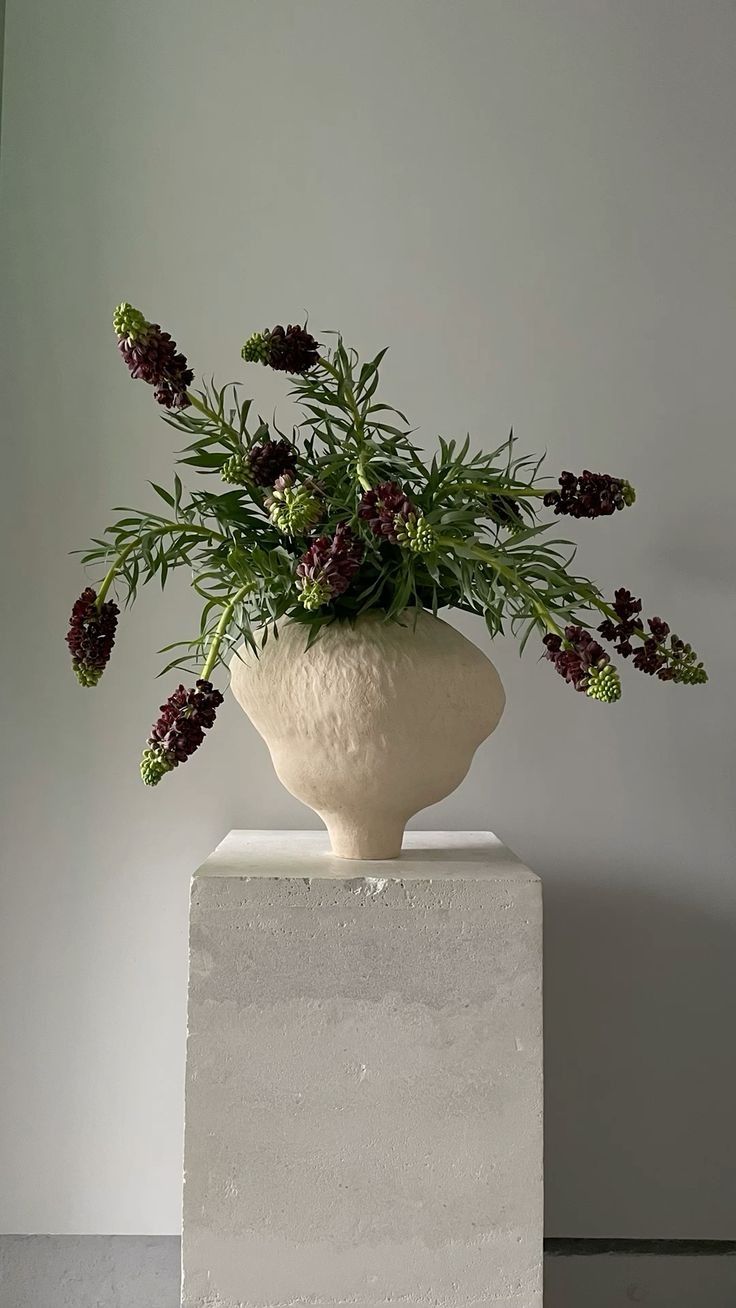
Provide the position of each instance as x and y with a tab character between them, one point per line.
343	516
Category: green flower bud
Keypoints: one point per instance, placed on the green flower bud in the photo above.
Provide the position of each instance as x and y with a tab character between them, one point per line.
603	684
256	348
236	470
690	674
628	493
292	509
130	323
414	533
154	766
314	594
86	676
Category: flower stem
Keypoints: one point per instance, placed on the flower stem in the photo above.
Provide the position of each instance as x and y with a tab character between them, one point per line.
488	556
221	628
511	492
543	613
185	528
358	419
360	472
112	572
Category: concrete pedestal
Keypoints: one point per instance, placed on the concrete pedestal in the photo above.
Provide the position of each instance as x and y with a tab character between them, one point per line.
364	1077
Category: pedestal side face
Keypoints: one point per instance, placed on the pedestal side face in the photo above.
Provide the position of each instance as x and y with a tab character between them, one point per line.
364	1093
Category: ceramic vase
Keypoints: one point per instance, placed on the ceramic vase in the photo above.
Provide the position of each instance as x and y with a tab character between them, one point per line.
373	722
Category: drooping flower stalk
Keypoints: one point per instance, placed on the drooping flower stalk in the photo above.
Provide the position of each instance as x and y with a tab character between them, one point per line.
152	356
668	660
91	635
677	662
187	714
180	729
93	621
583	662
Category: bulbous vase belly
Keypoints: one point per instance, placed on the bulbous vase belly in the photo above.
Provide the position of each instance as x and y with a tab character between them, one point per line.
372	723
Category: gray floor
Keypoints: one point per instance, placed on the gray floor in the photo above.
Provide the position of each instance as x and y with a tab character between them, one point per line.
89	1271
119	1271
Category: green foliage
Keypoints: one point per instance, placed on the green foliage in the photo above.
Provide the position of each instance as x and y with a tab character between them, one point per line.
473	540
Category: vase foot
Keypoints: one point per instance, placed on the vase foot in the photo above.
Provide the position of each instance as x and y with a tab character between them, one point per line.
378	839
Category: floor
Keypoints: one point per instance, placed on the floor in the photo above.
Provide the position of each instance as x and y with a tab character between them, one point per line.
116	1271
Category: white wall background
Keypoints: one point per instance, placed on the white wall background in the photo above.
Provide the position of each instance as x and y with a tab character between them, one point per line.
534	205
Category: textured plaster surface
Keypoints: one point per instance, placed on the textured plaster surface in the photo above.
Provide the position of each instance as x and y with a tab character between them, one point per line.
364	1078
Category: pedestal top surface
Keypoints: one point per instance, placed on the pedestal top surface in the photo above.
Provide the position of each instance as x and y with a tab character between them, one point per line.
426	856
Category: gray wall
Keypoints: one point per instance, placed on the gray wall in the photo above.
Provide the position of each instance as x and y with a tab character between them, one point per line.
534	204
2	53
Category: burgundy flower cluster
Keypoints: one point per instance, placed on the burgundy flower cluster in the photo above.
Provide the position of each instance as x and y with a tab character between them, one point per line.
576	655
382	506
673	661
591	495
651	658
262	465
91	636
270	460
627	610
327	568
286	349
152	356
180	729
392	516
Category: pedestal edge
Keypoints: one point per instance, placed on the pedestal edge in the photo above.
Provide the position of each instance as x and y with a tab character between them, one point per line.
305	855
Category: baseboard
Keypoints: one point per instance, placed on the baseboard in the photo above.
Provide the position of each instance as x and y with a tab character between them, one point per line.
585	1247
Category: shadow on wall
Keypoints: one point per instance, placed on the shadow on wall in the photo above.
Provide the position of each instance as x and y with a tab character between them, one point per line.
640	1014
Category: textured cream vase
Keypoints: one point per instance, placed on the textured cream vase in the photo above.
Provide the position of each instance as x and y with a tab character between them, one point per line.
374	722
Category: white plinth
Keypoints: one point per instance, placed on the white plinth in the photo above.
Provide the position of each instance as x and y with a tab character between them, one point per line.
364	1077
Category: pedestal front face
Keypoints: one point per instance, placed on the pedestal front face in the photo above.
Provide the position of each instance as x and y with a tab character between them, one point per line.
364	1077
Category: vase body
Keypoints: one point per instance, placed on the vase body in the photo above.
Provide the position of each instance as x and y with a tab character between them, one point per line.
371	724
